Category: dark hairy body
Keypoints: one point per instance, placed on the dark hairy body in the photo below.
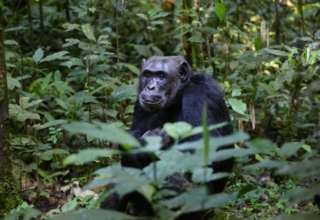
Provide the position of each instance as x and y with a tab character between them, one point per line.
169	91
187	107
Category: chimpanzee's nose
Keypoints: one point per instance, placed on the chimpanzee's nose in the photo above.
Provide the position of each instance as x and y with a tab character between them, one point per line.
151	87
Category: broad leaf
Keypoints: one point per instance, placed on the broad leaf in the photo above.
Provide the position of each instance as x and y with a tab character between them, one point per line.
167	165
38	55
275	52
198	199
290	149
238	105
266	164
96	214
303	194
260	145
215	142
298	217
88	32
229	153
178	129
21	115
205	174
88	155
125	180
55	56
50	124
132	68
301	169
107	132
220	10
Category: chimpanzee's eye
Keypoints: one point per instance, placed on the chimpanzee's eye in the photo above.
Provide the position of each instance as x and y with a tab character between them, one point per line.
162	75
147	74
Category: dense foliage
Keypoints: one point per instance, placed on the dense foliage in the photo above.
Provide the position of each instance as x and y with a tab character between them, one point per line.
72	68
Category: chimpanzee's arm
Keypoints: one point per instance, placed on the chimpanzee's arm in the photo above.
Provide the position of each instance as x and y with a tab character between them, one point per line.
144	124
144	121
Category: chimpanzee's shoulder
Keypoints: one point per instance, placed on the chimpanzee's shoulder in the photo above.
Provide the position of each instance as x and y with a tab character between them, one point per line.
206	83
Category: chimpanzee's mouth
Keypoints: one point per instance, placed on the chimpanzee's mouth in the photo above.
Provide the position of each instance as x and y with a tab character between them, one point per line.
151	106
149	102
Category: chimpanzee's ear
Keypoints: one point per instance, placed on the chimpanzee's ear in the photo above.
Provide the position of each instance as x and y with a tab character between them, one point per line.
185	71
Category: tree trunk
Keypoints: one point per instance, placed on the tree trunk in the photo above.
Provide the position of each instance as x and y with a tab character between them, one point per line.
192	50
9	196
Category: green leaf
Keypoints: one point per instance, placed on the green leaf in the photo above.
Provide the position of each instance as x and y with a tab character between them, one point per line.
196	38
11	43
298	217
198	175
142	16
307	147
238	105
49	154
147	190
306	168
236	92
124	92
88	32
107	132
229	153
215	142
258	44
71	27
88	155
124	179
275	52
167	165
132	68
23	211
178	129
220	10
70	205
96	214
198	199
21	115
303	194
26	104
13	82
38	55
261	145
266	164
55	56
236	137
50	124
290	149
143	50
199	129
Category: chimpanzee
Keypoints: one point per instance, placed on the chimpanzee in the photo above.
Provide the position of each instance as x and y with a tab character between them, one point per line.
169	91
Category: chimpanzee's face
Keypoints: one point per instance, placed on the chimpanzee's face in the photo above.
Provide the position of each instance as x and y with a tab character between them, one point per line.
160	80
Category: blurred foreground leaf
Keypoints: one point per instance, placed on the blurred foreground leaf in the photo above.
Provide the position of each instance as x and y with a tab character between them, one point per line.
102	131
88	155
97	214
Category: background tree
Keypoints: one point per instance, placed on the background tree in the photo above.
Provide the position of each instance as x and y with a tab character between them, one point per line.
9	194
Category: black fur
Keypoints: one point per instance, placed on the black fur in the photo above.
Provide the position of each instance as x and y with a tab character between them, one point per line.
187	107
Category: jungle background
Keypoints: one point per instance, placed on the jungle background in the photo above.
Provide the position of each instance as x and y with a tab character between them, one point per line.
68	79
